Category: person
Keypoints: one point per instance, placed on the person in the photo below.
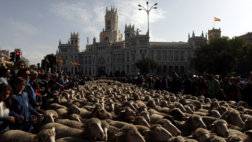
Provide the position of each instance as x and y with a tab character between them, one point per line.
25	73
21	109
5	118
247	91
3	75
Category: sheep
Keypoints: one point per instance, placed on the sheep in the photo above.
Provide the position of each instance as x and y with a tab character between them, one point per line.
237	134
192	124
70	123
233	117
234	139
106	110
64	131
50	115
96	129
220	128
129	133
214	113
248	124
71	139
216	139
201	134
158	134
249	136
170	127
140	120
46	135
177	139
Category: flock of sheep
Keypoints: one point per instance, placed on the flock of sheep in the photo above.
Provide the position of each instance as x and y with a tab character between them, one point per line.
105	110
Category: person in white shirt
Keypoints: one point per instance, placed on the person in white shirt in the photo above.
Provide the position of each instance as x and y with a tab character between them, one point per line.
5	118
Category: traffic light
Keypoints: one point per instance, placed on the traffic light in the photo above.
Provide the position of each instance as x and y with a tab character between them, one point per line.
13	57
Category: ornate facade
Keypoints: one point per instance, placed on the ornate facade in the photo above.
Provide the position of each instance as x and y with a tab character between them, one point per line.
113	54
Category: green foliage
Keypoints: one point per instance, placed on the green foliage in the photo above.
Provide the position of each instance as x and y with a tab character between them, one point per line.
146	66
49	62
224	56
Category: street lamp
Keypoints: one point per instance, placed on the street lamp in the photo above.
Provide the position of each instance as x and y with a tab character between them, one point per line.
148	9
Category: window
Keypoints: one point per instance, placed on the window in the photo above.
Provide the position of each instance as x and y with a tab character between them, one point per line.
182	56
176	55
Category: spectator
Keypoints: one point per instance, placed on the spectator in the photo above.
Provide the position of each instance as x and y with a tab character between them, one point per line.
247	91
5	118
21	109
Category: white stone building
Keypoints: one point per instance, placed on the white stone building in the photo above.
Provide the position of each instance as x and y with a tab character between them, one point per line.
113	54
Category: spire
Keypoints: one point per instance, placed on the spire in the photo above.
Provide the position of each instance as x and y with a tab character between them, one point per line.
94	40
193	34
87	40
189	36
202	34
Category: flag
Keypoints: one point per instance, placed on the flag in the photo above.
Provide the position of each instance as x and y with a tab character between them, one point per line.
217	19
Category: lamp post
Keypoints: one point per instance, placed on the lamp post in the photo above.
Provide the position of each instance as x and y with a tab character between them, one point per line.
148	9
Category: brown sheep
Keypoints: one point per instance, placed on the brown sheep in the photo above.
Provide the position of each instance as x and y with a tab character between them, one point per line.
214	113
216	139
220	128
233	117
70	123
169	126
192	124
201	134
64	131
140	120
46	135
177	139
129	133
71	139
158	134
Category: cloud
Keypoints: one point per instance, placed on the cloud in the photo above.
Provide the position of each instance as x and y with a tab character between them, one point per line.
89	16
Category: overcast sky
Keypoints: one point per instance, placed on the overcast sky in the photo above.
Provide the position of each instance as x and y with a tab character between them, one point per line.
35	26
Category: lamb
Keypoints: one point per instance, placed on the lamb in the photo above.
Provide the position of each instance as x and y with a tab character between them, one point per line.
46	135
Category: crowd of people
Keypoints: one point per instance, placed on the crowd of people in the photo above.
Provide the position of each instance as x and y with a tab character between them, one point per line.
25	91
226	88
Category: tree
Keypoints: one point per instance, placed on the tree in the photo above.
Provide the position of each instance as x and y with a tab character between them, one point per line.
147	65
223	56
49	62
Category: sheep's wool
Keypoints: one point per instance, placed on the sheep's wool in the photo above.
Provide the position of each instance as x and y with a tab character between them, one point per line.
4	112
